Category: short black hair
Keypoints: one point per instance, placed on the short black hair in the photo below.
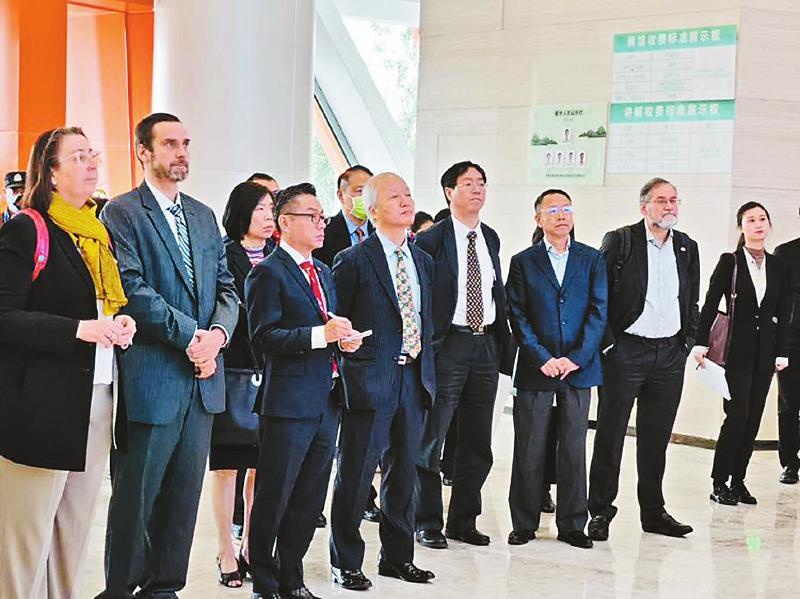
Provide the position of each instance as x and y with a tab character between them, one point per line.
441	215
420	218
239	210
540	198
286	196
345	176
144	128
264	176
451	175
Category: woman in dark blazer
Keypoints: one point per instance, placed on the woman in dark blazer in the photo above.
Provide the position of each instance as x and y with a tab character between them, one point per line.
758	346
58	325
249	223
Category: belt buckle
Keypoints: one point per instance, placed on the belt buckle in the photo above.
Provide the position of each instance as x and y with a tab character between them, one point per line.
403	359
481	330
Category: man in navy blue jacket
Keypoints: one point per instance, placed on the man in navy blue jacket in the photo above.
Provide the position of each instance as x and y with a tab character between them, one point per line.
290	307
383	285
557	295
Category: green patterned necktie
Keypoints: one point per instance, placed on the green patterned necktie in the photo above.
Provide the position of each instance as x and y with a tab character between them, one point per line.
412	344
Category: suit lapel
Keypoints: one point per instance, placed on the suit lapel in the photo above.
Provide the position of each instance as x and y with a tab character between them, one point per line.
423	282
682	261
374	250
639	251
193	225
159	222
450	251
541	260
575	256
299	277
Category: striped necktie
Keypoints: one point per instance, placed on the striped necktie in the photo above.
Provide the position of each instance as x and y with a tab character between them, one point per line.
183	241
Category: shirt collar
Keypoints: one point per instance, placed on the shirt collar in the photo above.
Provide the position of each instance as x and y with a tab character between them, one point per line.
163	201
295	255
351	226
652	238
461	230
389	246
551	250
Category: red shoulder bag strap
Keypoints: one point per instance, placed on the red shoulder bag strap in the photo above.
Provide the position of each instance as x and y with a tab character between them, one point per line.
42	242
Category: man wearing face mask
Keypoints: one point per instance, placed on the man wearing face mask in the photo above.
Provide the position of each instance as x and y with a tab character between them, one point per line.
653	289
14	188
350	226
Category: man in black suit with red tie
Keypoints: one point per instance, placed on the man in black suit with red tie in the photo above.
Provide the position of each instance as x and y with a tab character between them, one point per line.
290	306
470	337
383	285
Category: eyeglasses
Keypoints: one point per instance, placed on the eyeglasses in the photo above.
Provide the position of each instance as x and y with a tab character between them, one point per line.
470	185
315	217
554	210
82	158
663	202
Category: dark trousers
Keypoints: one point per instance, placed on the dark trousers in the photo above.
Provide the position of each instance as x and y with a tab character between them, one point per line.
743	413
651	372
389	435
533	413
550	462
466	379
294	467
153	508
448	462
789	413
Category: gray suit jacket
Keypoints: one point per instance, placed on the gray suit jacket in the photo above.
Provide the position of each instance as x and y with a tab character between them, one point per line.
155	372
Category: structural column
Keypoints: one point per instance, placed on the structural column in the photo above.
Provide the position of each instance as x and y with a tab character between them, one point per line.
241	79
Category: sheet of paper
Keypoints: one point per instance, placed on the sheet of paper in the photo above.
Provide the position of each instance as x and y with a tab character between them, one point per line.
713	376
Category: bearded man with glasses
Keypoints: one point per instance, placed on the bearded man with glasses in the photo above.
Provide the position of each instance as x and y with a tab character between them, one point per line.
654	284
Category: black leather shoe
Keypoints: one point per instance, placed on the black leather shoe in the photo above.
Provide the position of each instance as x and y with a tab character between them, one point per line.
472	536
598	528
666	525
742	494
576	538
722	495
521	537
432	539
352	580
322	521
301	593
406	571
548	505
372	513
270	595
789	476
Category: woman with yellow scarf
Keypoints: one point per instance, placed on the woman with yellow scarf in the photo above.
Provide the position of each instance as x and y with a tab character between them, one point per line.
57	336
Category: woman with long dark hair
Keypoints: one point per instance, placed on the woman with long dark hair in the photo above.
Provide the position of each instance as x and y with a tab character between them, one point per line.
60	295
758	345
249	225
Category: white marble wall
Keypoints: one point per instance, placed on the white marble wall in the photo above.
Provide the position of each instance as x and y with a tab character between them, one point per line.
484	63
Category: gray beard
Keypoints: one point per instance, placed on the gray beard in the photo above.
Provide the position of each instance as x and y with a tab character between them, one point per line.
666	222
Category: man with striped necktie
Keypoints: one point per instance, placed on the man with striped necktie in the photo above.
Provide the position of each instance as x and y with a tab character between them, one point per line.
176	278
383	285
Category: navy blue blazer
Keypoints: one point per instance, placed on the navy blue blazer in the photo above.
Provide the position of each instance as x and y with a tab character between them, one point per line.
551	320
365	294
281	311
155	371
440	242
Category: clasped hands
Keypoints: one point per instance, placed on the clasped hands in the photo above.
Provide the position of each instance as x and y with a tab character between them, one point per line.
559	367
203	351
108	332
338	329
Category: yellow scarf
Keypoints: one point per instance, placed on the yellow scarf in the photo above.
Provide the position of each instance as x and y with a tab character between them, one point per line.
92	240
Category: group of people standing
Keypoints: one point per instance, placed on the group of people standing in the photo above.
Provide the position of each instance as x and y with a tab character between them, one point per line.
295	340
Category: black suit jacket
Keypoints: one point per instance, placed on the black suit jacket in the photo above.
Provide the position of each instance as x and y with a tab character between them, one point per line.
760	334
439	241
365	294
46	374
626	300
337	238
789	254
281	311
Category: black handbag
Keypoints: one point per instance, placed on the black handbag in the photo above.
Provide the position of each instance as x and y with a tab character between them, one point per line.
238	425
719	337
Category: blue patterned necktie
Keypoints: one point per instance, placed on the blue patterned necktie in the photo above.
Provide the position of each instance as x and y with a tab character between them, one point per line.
183	241
412	343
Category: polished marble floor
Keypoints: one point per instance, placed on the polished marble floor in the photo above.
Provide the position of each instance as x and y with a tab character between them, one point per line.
748	552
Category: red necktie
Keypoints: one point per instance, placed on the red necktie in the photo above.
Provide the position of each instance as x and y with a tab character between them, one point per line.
360	234
316	289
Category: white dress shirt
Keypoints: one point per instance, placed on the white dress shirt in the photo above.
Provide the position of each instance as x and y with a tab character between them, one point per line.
661	316
487	274
318	332
558	261
757	275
